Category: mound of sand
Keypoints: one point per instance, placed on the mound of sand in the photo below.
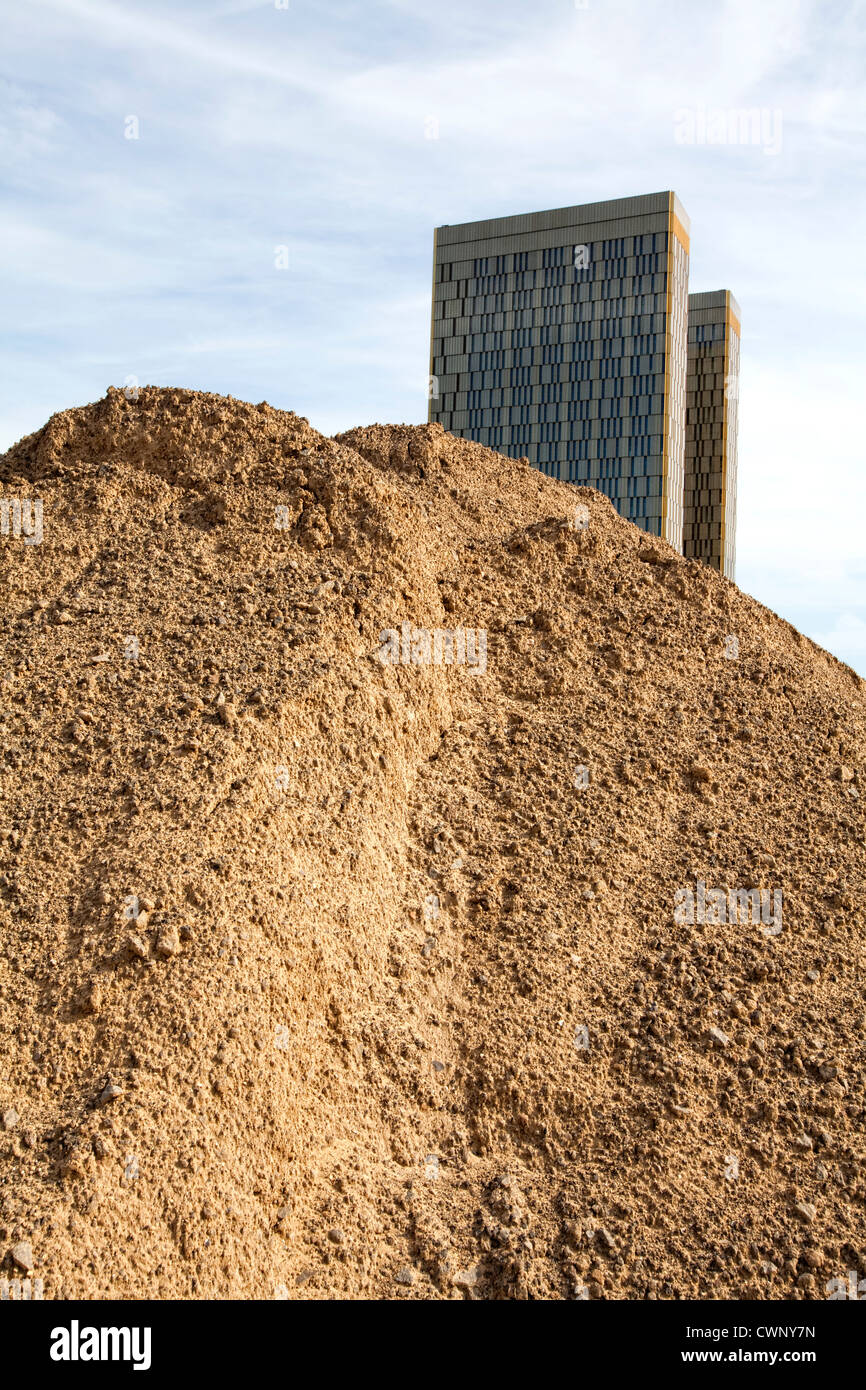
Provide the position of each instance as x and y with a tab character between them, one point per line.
324	975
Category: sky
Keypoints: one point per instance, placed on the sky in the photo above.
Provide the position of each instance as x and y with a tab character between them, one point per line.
240	197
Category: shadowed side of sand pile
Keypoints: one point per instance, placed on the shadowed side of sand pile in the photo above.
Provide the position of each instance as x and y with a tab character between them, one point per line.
674	1107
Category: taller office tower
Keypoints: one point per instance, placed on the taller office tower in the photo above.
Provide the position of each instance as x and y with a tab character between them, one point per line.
562	337
710	494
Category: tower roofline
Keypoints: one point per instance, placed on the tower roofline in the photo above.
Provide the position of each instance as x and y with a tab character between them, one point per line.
611	210
714	299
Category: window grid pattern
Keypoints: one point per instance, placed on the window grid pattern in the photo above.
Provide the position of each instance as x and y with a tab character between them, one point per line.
710	484
539	355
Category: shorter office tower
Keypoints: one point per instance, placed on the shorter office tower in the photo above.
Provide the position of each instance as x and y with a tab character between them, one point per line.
710	489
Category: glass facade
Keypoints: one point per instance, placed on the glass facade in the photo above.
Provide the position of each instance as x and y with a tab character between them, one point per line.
710	489
566	344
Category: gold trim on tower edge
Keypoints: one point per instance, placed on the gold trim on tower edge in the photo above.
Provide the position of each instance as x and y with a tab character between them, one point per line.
665	431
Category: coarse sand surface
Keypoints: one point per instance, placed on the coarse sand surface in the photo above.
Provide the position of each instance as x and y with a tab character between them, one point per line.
328	976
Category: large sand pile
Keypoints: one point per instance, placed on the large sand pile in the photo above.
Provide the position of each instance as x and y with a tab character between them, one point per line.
322	977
